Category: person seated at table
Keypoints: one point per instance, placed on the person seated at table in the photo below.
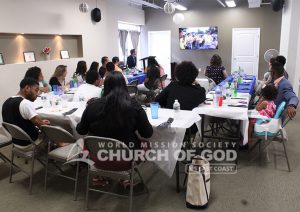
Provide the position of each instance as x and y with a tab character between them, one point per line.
80	71
102	69
266	79
281	59
131	59
153	62
59	76
110	67
152	72
90	89
94	66
19	110
216	71
115	115
285	90
265	107
116	62
185	88
36	73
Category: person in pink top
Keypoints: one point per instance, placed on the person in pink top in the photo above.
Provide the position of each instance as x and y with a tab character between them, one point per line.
265	106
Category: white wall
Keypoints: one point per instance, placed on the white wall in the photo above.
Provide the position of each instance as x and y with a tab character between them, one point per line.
62	17
290	41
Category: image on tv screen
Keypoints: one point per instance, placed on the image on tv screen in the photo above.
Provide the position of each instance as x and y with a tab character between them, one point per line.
197	38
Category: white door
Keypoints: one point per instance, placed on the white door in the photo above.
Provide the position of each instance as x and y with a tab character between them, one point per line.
245	50
159	45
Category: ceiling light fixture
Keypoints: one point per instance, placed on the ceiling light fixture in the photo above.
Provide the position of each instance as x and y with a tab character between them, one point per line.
180	7
148	4
230	3
169	7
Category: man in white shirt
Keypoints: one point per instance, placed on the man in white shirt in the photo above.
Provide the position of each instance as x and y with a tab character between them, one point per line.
89	90
19	110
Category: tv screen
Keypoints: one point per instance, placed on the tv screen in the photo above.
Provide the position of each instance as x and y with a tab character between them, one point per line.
198	38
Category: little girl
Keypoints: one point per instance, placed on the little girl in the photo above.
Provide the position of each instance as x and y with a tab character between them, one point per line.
265	106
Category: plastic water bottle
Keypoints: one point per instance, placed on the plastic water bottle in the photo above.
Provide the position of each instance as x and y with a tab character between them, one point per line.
218	95
176	108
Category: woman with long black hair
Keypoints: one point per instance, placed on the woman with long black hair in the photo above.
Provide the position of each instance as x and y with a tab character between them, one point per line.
116	115
80	72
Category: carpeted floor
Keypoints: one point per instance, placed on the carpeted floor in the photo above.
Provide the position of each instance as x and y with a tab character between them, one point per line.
258	186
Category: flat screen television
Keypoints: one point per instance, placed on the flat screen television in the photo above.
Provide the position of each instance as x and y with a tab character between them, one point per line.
198	38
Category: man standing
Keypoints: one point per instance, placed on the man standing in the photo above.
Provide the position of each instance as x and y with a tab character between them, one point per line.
131	59
19	110
285	89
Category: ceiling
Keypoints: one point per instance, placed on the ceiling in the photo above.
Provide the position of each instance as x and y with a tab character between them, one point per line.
190	3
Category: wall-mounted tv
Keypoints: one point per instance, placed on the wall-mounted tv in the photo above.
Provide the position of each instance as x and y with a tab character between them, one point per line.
198	38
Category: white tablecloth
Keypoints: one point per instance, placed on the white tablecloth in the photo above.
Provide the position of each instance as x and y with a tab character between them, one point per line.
169	139
237	113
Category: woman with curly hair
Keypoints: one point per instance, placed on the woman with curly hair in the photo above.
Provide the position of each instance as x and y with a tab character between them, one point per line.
216	70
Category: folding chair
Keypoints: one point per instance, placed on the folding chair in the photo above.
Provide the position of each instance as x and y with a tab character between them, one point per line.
116	169
17	133
134	82
56	134
4	141
132	90
270	130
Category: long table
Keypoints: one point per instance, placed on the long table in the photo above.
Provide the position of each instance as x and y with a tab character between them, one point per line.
232	111
140	77
167	139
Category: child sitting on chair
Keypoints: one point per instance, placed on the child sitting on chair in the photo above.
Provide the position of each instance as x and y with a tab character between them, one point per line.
265	106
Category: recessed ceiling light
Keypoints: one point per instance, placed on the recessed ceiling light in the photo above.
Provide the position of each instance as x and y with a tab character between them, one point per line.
180	7
230	3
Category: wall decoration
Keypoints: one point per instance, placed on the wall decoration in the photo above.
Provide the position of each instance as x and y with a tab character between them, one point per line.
29	56
64	54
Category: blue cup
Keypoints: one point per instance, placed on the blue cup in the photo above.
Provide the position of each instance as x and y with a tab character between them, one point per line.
55	89
154	110
60	90
71	83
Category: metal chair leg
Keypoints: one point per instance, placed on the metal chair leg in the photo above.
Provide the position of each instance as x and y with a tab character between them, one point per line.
76	181
131	190
31	175
87	190
46	173
287	159
11	166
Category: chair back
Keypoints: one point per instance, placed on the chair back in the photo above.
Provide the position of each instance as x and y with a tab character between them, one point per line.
211	83
134	82
106	147
57	134
279	110
16	132
132	90
163	78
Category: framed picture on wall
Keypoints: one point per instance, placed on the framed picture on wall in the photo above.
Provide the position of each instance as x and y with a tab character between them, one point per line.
64	54
29	57
1	59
